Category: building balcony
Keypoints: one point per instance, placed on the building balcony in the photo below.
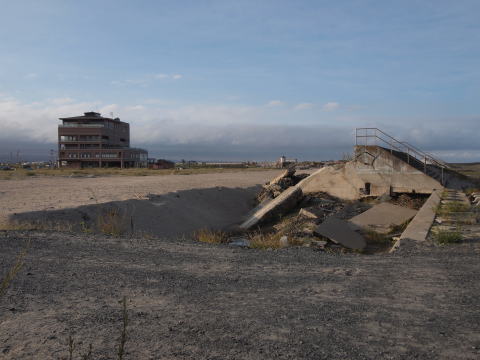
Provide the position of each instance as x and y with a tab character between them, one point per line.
81	126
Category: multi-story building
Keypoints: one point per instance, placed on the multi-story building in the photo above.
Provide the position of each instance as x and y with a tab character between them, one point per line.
92	140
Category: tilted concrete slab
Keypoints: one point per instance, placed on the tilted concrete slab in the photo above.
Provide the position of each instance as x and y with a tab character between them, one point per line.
286	201
419	227
341	232
381	217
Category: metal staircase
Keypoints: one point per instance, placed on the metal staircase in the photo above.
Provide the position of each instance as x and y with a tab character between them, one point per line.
406	152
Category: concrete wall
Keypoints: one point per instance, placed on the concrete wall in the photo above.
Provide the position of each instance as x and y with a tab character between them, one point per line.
383	171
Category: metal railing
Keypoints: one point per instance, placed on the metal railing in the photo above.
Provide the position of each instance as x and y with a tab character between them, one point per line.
376	137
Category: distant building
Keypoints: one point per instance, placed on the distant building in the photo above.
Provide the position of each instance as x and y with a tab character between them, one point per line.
283	162
160	164
91	140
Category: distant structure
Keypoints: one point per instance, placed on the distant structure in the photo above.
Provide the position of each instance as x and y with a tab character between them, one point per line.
160	164
91	140
283	162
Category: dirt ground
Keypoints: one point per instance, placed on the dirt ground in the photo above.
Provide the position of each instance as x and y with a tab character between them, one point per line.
53	193
190	300
163	206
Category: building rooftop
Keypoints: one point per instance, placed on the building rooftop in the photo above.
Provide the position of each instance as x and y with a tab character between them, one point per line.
91	115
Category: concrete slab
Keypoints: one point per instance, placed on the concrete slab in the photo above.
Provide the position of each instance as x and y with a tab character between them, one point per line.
419	227
286	201
381	217
341	232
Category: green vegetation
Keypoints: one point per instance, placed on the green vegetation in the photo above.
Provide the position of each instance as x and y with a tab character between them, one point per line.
444	237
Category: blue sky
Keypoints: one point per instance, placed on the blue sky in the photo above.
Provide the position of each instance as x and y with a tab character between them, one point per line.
245	79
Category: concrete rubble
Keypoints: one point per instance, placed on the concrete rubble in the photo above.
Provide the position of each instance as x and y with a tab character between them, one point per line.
341	232
282	182
383	217
274	208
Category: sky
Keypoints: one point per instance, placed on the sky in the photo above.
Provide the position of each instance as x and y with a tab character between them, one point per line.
243	80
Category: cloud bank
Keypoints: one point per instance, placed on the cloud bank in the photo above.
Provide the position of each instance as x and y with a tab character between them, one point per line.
226	132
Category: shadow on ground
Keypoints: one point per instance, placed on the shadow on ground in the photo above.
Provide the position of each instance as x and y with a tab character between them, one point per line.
168	215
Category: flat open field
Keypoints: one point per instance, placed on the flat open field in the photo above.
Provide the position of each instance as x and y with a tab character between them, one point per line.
166	205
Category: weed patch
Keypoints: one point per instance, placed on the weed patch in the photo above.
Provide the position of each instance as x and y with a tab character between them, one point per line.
444	237
260	240
19	261
211	236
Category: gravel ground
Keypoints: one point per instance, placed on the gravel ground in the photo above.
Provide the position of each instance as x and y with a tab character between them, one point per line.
189	300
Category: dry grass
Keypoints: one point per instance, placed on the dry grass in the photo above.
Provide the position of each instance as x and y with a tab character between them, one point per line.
450	208
211	236
17	265
114	222
264	241
395	229
42	225
66	172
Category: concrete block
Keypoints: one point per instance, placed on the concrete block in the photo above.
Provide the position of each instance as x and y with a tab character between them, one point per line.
419	227
312	213
275	207
341	232
283	241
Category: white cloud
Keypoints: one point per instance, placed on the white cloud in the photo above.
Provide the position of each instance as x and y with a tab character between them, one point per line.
31	76
160	76
331	106
304	106
250	127
273	103
176	76
61	101
135	107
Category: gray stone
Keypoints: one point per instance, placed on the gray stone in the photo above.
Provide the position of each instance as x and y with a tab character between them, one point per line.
283	241
312	213
341	232
239	241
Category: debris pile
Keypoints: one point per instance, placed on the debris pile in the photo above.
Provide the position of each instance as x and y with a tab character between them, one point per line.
282	182
475	199
288	217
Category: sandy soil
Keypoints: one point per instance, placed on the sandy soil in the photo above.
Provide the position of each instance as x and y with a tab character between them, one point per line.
190	300
168	205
